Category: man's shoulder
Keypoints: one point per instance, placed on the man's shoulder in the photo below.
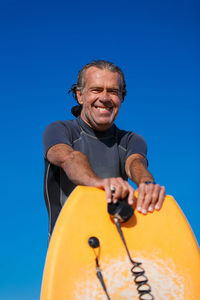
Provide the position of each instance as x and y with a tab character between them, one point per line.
61	125
60	130
63	122
127	136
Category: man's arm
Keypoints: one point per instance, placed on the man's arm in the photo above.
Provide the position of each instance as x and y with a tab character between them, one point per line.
150	195
78	169
74	163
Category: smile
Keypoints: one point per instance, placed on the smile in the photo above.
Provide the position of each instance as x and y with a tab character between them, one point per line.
104	109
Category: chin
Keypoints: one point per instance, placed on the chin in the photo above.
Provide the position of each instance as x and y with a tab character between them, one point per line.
102	126
99	124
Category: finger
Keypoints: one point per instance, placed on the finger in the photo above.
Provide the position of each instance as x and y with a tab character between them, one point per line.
147	198
112	188
107	188
141	194
161	198
155	197
121	189
117	194
124	187
127	190
131	196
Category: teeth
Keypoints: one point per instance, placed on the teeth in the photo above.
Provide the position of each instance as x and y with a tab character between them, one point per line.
102	109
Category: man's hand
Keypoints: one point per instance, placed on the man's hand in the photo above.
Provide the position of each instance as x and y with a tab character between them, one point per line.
78	169
116	188
150	196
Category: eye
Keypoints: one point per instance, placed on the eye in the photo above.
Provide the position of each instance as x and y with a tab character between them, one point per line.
96	90
114	92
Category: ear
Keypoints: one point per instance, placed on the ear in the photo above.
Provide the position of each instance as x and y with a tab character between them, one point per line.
79	97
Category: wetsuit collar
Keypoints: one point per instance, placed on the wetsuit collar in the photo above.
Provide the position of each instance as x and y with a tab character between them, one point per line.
87	129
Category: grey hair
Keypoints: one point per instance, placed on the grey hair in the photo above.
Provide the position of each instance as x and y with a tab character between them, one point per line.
100	64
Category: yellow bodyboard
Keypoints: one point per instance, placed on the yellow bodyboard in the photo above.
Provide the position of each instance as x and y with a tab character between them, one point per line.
163	241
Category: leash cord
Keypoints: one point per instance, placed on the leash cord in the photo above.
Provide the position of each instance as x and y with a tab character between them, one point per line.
100	277
140	279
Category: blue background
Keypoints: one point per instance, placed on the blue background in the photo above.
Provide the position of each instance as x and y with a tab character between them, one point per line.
43	45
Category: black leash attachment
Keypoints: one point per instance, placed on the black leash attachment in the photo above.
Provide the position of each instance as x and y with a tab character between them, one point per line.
122	212
94	243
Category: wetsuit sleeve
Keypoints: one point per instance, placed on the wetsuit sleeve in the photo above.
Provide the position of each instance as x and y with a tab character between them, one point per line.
56	133
136	144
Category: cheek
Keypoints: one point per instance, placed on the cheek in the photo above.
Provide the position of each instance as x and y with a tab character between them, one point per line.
118	104
87	107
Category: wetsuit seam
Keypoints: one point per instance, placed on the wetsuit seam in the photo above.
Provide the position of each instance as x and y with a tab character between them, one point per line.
60	187
48	200
121	147
76	140
97	138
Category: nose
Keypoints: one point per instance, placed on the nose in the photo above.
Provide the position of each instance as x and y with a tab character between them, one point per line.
105	95
105	98
106	102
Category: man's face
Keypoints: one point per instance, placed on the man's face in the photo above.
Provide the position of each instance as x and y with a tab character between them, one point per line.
101	98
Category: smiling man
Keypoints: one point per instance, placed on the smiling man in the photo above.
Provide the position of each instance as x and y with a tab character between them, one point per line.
101	98
90	150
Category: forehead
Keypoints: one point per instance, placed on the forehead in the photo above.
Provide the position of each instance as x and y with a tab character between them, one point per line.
96	76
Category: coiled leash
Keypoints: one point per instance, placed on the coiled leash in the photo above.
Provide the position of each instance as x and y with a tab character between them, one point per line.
122	212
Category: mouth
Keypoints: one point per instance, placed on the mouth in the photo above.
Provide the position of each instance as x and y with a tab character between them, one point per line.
103	109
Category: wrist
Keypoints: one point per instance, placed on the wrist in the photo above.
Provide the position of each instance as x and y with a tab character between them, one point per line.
96	181
150	181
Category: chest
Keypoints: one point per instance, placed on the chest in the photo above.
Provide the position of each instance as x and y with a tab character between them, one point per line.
103	154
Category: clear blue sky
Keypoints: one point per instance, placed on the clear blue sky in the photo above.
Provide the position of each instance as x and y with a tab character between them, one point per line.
43	45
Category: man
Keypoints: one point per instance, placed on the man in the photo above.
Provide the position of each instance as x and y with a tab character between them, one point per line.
90	150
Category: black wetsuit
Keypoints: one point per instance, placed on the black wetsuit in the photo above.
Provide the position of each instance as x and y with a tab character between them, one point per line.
106	151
